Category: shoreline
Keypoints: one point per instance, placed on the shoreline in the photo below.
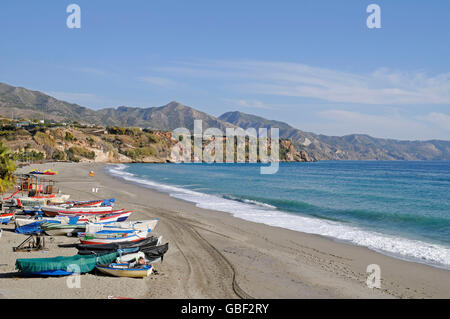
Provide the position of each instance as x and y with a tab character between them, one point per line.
213	254
162	190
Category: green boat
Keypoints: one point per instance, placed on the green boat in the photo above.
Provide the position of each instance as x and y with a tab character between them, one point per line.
61	266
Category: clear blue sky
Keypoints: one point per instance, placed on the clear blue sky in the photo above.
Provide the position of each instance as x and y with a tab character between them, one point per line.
313	64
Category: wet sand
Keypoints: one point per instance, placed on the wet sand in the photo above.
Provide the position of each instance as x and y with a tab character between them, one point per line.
215	255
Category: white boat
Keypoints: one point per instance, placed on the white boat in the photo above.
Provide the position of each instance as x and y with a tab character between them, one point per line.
53	229
113	238
26	221
69	209
140	225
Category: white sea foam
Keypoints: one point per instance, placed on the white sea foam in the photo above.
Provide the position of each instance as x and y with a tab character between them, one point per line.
267	214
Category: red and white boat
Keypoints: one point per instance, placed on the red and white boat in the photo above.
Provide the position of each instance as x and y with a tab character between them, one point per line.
96	203
88	213
54	210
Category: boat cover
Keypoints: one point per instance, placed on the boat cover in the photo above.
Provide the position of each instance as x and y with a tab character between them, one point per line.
86	263
29	229
155	252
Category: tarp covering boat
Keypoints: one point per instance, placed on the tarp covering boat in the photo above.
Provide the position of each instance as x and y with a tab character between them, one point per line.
33	228
85	263
155	252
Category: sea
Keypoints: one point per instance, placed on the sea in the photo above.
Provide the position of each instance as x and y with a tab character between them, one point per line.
398	208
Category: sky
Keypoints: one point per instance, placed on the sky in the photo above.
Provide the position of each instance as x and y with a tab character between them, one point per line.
313	64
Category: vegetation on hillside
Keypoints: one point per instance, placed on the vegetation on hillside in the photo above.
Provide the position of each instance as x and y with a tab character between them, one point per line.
38	141
7	168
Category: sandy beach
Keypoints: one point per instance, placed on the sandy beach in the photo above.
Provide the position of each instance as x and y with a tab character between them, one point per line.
215	255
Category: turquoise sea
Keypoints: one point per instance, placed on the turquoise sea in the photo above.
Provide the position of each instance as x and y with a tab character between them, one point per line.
398	208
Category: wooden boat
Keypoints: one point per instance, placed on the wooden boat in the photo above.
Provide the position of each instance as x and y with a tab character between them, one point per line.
120	216
81	220
124	270
102	248
26	221
5	218
53	210
113	238
94	203
135	225
121	227
54	229
39	200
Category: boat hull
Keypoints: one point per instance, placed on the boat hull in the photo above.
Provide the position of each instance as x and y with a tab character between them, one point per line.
117	271
6	218
137	236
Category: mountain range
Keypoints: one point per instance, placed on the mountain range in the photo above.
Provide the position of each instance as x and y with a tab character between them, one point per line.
23	103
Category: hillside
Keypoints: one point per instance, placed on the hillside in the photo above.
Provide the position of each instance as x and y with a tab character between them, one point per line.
97	144
167	117
20	102
349	147
23	103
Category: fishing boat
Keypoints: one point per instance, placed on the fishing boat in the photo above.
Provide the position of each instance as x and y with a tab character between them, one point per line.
58	210
5	218
152	254
136	225
124	270
119	216
42	200
121	227
80	219
55	229
61	266
33	225
93	203
134	246
19	222
60	229
113	238
100	211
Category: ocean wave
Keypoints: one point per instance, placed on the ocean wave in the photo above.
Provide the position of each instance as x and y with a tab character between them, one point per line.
267	214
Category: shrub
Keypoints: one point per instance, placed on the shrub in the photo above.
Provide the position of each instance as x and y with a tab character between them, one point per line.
80	151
